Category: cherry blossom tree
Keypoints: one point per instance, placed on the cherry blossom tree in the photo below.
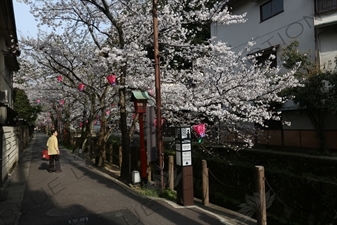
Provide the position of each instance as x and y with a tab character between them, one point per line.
70	61
221	85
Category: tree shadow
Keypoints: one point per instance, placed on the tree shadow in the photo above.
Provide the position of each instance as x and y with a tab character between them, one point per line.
83	195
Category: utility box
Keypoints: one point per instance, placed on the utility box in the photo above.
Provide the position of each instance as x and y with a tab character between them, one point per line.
185	193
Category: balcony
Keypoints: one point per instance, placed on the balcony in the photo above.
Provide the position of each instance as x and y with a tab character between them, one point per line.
324	6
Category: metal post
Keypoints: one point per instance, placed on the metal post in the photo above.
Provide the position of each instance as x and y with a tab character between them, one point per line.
158	95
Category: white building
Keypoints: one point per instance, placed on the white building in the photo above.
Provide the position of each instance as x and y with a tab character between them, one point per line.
276	23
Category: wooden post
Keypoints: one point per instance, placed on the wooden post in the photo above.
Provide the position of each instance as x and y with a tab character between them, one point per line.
205	182
170	172
261	214
120	153
149	171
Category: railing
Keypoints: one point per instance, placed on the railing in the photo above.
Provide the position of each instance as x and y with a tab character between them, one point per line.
323	6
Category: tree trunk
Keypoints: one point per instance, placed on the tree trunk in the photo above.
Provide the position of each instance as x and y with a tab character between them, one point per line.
111	153
126	157
318	124
100	150
66	135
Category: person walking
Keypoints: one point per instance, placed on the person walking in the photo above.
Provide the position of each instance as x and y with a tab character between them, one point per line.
54	153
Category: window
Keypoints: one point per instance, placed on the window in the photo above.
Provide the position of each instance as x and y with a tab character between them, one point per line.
264	56
271	9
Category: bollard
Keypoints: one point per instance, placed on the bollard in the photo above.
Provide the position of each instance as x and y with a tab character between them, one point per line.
261	214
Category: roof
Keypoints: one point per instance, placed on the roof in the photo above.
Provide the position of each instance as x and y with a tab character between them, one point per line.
140	95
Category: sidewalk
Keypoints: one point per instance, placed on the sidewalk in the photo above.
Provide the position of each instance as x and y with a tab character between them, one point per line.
83	195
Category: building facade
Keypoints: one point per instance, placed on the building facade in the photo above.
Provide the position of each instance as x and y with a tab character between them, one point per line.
272	24
9	139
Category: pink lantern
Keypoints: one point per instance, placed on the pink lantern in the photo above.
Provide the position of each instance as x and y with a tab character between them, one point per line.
155	121
112	79
107	112
151	92
62	102
81	87
38	101
80	124
59	78
200	129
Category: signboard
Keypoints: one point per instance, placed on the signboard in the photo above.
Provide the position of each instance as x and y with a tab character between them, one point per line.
183	146
184	158
183	133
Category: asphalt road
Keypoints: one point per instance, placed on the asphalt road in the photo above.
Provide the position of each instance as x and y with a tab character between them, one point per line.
82	195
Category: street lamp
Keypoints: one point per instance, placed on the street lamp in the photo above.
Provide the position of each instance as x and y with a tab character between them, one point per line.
139	99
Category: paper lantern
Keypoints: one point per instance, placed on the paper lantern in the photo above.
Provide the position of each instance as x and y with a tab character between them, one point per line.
59	78
62	102
107	112
200	129
81	87
80	124
112	79
38	101
151	92
155	121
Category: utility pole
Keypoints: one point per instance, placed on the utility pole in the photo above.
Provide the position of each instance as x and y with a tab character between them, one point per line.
159	135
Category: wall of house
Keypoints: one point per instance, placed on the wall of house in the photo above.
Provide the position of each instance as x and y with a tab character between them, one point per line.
5	77
300	121
10	151
2	61
296	22
327	45
301	133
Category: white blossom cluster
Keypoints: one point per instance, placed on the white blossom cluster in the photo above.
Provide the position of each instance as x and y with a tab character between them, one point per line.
205	81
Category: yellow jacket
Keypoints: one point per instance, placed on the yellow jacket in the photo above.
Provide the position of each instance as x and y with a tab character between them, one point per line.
52	145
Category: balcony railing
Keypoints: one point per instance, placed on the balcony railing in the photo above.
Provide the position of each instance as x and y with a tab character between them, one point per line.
323	6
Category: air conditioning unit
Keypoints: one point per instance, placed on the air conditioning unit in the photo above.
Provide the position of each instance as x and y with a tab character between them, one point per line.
4	96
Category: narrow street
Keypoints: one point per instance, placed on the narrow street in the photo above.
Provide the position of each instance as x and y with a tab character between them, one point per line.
82	195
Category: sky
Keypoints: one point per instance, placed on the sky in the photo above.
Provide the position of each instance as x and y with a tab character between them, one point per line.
24	20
